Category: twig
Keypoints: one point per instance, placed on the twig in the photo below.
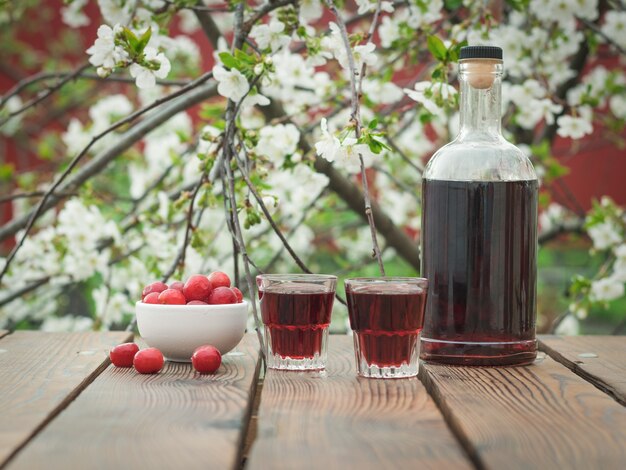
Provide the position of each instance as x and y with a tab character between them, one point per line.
13	197
271	221
180	257
45	95
261	12
24	290
356	121
41	76
277	231
98	163
224	165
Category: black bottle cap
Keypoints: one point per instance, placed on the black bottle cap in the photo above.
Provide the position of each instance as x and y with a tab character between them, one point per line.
481	52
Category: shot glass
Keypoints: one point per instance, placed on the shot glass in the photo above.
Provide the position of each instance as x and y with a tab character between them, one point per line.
296	310
387	317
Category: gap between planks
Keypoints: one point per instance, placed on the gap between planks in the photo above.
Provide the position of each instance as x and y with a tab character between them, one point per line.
600	360
537	416
46	418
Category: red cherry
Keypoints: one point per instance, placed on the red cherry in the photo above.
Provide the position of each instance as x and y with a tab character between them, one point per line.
122	355
222	295
238	294
198	287
148	361
206	359
172	297
197	302
177	285
152	298
219	279
157	286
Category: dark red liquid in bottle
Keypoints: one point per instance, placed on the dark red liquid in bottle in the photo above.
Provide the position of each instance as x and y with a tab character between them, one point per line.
479	255
387	321
296	316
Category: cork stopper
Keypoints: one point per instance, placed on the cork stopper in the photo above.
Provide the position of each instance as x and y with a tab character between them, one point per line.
481	64
481	73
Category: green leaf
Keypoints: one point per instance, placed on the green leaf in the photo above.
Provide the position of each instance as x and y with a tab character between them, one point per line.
437	48
131	39
373	123
228	60
6	172
144	40
241	56
452	5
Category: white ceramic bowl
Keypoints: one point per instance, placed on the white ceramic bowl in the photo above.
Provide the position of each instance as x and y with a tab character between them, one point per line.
177	330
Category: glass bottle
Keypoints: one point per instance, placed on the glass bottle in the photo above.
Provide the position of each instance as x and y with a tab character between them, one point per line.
479	232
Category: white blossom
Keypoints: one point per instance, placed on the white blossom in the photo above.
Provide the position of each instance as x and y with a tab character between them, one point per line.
366	6
607	289
146	77
270	35
67	323
231	83
12	125
617	104
362	54
569	326
73	15
615	26
604	235
573	127
329	145
311	10
277	142
347	155
116	11
104	53
426	92
388	31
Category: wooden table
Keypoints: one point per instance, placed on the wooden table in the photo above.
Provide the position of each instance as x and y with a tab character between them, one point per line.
63	406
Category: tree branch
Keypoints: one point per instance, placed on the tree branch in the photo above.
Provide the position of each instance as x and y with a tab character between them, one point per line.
355	88
44	96
185	100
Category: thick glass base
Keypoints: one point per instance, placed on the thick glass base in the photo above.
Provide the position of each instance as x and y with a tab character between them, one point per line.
374	362
513	353
305	349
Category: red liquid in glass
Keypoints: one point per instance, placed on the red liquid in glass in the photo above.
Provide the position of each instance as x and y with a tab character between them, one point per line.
296	315
387	320
479	255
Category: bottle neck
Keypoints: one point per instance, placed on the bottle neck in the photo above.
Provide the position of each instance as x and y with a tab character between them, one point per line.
481	90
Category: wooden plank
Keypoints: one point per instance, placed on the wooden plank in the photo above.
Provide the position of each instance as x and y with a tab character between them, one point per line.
600	360
538	416
40	373
174	419
312	420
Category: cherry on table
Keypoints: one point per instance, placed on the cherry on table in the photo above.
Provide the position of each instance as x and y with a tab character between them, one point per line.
148	361
198	287
222	295
122	355
206	359
172	297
